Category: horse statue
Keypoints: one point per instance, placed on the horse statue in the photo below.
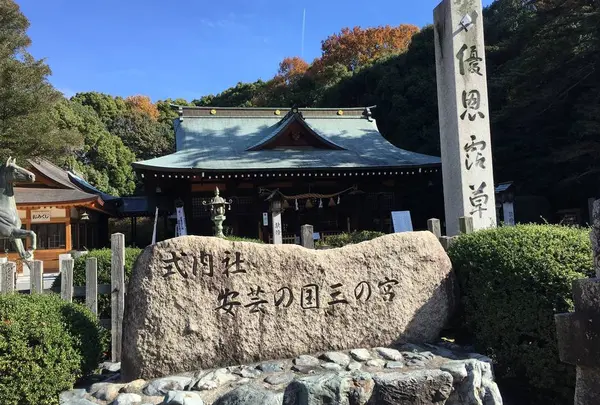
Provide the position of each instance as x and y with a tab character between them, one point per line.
10	223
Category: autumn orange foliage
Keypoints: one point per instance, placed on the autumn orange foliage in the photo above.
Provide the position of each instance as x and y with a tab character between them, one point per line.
291	68
355	47
144	105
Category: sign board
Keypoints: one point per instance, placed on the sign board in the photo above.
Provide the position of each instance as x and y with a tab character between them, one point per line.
402	221
41	216
265	219
316	235
509	213
181	227
277	231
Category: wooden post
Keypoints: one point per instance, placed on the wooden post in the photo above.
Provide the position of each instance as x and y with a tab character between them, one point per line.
66	278
465	224
9	271
2	261
117	270
434	227
306	236
91	284
36	280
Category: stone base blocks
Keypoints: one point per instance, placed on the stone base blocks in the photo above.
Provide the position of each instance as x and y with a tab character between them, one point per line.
442	374
579	340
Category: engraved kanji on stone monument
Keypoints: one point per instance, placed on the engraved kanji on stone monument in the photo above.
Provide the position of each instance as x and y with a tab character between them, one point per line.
464	114
233	302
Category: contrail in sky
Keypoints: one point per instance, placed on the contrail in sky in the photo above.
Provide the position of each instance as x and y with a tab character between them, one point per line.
303	25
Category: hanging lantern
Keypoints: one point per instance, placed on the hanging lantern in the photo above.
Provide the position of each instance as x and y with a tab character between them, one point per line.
308	204
331	202
296	204
320	203
286	205
338	203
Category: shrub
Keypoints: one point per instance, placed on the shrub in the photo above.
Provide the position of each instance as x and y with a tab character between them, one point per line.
103	257
513	281
344	239
46	344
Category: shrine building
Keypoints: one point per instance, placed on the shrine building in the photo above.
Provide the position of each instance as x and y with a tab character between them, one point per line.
330	168
66	213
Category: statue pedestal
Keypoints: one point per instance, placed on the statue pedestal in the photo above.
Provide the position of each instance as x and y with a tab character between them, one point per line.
579	340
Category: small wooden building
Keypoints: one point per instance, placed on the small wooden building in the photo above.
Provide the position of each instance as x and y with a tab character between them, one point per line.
329	167
64	216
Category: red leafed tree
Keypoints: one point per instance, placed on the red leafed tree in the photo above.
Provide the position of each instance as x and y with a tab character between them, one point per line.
355	47
144	105
291	68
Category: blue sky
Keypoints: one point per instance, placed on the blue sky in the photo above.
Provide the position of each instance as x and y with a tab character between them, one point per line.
190	48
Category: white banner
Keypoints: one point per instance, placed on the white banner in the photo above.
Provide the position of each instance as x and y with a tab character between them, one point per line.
155	223
181	227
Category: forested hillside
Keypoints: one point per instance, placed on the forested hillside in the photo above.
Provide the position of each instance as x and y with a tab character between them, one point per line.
544	88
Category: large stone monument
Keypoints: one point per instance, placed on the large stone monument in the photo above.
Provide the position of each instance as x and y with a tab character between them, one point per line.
466	148
198	302
579	332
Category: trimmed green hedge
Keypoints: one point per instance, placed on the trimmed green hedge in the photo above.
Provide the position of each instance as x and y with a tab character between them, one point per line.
46	344
513	281
344	239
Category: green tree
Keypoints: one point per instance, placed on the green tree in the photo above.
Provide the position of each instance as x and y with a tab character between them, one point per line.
166	114
546	115
106	106
239	96
27	128
104	160
145	137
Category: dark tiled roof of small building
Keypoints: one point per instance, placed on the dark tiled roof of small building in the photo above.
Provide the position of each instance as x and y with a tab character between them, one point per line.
53	172
38	195
85	186
225	139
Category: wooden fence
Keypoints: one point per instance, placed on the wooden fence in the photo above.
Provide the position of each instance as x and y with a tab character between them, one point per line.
116	289
90	291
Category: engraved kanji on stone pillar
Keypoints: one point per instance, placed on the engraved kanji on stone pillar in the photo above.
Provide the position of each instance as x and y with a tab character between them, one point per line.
466	147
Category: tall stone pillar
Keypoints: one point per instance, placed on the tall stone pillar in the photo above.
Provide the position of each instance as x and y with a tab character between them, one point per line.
578	333
466	148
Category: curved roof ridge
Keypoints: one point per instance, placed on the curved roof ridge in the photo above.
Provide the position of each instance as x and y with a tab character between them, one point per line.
284	124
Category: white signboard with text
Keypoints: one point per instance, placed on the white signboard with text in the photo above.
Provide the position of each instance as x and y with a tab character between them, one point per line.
277	230
181	226
41	216
402	221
